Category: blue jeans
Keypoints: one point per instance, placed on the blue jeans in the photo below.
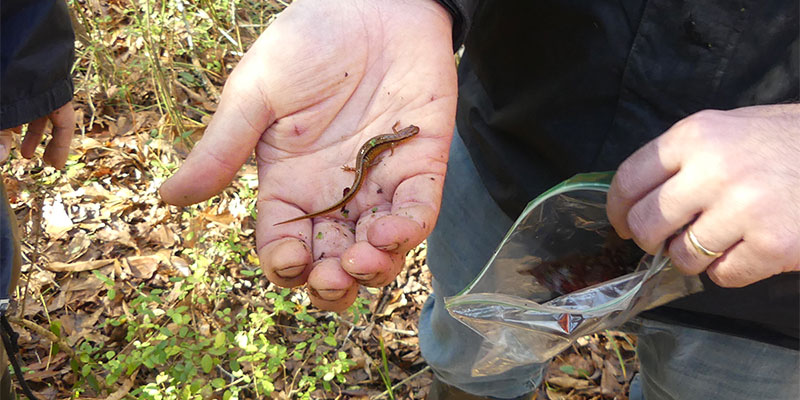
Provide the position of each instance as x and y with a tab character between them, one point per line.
676	362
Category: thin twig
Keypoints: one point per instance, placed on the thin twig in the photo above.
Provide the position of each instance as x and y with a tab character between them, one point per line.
403	382
398	331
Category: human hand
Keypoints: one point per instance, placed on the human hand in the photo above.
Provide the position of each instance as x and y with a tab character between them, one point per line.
734	176
319	82
57	150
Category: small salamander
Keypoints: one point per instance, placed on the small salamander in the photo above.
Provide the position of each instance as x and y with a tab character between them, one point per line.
364	160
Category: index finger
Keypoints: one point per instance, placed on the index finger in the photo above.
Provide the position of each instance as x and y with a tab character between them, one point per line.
639	174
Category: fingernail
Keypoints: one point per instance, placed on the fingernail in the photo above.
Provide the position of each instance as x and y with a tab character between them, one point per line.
290	272
388	247
329	294
363	277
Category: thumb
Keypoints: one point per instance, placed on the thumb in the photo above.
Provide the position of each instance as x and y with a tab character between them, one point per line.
229	139
5	144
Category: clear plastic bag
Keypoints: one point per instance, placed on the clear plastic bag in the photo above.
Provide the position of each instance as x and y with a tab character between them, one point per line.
561	273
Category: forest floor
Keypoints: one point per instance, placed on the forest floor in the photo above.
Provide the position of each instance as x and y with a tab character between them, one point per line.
123	296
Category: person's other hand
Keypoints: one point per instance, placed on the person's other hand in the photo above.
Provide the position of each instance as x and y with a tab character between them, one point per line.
733	177
319	82
57	150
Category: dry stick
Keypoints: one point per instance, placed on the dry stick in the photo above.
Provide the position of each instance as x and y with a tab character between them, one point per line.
36	227
296	373
236	27
43	332
401	383
398	331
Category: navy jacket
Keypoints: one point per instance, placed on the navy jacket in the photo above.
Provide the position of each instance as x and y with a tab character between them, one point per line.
36	55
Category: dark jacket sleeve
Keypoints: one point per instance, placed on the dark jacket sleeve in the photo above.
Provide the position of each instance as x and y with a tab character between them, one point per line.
36	54
462	12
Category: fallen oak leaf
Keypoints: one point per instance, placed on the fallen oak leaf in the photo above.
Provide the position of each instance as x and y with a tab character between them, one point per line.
79	266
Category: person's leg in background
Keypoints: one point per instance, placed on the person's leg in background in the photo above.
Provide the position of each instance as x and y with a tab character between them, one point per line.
9	256
469	228
679	363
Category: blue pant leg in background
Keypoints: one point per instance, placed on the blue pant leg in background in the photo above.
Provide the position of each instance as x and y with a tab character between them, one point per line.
679	363
469	228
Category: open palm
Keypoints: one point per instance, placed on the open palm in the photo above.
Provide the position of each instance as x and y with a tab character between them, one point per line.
321	80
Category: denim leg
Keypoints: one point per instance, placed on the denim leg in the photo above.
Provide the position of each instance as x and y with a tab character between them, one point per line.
679	363
469	228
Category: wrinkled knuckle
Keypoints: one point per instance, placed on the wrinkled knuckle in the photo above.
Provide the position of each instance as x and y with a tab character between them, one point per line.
637	223
679	256
669	203
627	187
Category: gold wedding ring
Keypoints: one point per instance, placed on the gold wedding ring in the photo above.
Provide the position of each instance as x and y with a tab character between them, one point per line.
701	248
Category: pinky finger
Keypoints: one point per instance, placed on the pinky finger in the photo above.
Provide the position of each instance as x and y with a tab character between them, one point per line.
33	137
740	266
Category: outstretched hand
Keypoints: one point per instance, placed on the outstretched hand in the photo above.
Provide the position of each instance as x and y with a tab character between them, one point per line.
733	179
320	81
57	150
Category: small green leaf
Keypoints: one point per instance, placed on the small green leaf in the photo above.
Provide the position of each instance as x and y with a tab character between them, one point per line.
207	363
106	280
219	340
218	383
55	327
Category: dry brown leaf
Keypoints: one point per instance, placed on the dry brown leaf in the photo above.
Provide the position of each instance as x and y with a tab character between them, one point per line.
396	301
40	278
569	382
580	364
224	218
78	266
609	385
57	302
163	236
77	246
126	387
143	267
611	365
117	232
555	395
